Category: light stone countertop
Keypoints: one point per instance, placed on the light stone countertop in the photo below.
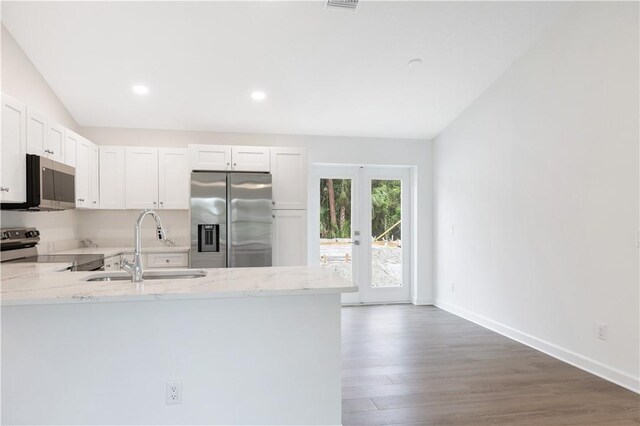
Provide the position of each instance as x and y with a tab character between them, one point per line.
44	288
10	271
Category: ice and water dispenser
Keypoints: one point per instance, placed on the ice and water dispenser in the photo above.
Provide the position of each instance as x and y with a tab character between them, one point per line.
208	238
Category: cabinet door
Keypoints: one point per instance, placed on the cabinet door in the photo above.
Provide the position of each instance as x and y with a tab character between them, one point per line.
289	171
173	178
94	176
70	147
13	147
37	132
141	165
112	177
55	142
210	157
289	237
250	159
83	173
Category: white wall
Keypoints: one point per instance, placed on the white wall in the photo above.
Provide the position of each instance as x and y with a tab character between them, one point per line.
321	149
21	80
539	177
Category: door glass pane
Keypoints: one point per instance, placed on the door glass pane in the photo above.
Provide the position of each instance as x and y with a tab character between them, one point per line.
386	233
336	249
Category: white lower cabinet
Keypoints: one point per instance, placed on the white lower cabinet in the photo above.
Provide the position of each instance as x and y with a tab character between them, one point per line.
112	177
289	237
173	178
167	260
112	263
13	146
141	165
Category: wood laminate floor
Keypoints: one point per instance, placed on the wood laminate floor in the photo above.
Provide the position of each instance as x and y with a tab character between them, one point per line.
419	365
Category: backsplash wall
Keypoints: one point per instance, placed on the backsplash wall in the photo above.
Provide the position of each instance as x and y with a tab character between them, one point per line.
59	230
115	227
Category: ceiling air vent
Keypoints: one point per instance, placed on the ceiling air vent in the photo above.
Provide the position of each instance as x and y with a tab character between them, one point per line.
342	4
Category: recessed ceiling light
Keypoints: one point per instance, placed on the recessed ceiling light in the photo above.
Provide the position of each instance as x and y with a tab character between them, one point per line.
258	95
140	89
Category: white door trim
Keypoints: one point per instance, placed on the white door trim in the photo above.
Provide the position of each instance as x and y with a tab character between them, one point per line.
361	194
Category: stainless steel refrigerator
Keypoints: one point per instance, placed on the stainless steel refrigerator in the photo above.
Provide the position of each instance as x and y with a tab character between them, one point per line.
231	220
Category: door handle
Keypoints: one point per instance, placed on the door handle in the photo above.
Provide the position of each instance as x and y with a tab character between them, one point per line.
356	243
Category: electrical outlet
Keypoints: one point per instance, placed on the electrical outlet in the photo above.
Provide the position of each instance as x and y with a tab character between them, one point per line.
174	393
601	331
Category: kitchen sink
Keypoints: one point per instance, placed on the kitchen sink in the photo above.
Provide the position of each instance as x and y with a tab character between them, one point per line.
148	275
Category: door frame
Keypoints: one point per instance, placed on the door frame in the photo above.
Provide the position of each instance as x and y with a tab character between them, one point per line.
361	176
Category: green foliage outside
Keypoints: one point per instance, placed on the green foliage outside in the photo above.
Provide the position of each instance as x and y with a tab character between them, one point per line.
335	208
386	197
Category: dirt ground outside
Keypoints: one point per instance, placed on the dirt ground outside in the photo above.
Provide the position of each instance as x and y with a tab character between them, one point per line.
336	254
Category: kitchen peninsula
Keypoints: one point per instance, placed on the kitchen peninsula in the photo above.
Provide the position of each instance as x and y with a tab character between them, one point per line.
243	345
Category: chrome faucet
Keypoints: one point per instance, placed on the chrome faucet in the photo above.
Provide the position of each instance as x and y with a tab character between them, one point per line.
135	268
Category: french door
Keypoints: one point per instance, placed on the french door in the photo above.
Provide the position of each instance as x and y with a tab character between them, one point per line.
362	217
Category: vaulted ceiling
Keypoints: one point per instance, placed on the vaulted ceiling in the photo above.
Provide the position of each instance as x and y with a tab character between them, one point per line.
324	71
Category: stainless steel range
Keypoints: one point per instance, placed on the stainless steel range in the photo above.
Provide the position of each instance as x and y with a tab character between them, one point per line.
19	245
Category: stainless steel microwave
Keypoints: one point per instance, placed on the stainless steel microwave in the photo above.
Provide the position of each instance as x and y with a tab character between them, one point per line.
50	186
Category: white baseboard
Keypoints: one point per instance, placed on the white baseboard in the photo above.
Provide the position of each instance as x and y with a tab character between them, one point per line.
584	363
423	302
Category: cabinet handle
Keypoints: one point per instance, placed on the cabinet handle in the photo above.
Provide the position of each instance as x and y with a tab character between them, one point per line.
3	189
235	164
161	203
94	202
166	260
81	199
48	151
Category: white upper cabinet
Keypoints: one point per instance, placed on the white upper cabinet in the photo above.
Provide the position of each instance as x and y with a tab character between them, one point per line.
112	177
83	173
13	147
44	137
173	178
250	159
70	146
289	174
141	165
289	237
228	158
210	157
37	132
55	142
94	176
